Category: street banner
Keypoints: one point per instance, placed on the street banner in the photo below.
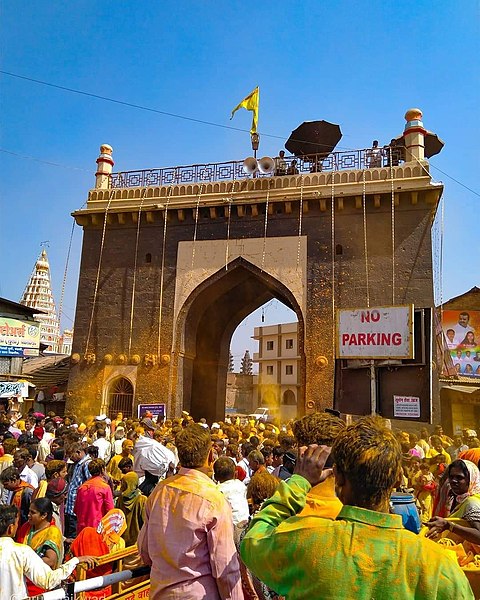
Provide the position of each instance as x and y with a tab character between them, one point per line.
19	338
461	329
381	332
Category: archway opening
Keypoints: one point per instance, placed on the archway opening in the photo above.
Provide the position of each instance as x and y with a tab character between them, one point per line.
206	324
270	336
120	398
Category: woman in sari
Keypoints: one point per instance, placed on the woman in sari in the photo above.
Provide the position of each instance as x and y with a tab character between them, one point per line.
43	536
132	502
461	504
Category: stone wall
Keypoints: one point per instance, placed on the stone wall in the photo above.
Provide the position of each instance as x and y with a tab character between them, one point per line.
111	333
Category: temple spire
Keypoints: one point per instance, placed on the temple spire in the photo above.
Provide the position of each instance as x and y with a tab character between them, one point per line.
38	294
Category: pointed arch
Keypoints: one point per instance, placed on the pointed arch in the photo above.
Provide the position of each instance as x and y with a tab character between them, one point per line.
205	326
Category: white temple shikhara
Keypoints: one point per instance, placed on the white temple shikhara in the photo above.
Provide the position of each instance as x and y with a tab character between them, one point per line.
38	294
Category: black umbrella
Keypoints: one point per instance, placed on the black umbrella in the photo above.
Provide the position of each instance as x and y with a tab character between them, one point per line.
314	137
433	144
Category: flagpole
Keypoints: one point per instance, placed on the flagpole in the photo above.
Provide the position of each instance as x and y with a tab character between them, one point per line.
255	139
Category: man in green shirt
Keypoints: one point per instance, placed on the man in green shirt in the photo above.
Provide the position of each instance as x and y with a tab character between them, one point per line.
365	554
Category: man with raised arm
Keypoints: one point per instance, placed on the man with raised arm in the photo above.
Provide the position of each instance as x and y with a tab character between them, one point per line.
365	553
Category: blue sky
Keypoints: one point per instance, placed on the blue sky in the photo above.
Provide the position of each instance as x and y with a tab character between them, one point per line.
359	64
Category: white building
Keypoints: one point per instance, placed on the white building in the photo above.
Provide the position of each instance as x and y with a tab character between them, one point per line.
38	294
278	367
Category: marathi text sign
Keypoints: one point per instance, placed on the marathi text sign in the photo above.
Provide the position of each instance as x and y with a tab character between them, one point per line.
19	338
157	410
8	389
382	332
406	407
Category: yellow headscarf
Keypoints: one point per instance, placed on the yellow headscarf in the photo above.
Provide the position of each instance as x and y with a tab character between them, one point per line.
131	492
112	526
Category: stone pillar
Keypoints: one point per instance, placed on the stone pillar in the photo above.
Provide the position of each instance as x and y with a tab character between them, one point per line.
104	169
414	135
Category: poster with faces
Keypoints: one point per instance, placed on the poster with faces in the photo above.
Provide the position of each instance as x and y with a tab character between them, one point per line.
461	329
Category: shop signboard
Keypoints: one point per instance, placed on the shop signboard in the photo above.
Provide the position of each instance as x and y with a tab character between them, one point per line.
461	329
19	338
383	332
9	389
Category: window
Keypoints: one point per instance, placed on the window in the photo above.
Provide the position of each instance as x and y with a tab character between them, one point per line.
270	345
288	369
148	258
270	369
289	344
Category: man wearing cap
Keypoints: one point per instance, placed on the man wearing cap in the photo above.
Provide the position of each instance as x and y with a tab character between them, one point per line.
57	492
151	456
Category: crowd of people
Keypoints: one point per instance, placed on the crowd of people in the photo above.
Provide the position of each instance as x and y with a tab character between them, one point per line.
237	509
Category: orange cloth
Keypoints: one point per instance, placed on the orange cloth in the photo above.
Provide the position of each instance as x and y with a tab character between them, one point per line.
89	542
473	455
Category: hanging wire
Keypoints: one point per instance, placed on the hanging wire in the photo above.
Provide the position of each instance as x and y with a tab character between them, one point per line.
132	308
365	242
197	210
333	264
95	291
265	229
393	227
203	178
300	217
162	268
229	209
442	233
62	293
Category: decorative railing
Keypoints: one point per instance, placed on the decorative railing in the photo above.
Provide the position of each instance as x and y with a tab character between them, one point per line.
234	170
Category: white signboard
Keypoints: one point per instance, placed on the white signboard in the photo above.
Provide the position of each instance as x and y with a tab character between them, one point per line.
8	389
382	332
19	338
406	407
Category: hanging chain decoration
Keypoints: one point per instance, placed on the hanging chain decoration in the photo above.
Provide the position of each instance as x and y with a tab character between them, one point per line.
197	211
300	217
135	261
265	229
95	291
62	293
162	268
442	232
229	209
333	263
365	244
393	226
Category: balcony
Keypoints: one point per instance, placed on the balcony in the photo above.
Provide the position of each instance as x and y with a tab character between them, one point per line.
234	171
317	178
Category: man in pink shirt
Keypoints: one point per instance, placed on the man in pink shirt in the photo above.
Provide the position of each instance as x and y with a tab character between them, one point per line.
94	497
187	536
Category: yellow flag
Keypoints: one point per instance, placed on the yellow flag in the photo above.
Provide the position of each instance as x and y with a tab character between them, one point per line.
250	103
